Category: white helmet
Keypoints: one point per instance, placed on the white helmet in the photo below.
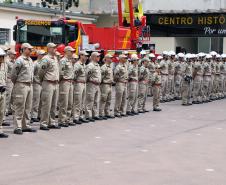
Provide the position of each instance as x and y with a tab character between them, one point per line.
223	56
218	56
2	52
201	54
165	53
143	52
159	57
213	53
134	57
208	56
180	55
188	55
171	53
125	52
195	56
151	55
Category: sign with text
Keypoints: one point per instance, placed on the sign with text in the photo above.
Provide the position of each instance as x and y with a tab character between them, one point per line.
201	25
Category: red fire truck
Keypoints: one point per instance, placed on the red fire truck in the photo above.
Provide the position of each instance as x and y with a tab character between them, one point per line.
128	35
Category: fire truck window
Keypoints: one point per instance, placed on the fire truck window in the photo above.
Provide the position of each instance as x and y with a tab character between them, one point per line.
71	33
40	35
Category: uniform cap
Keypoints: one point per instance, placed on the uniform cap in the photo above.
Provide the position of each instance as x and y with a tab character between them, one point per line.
122	56
158	66
188	55
5	48
208	56
75	56
26	45
159	57
41	52
11	52
2	52
143	52
108	56
125	52
180	55
223	55
165	53
213	53
145	59
171	53
201	54
83	53
68	48
218	56
134	57
95	54
51	45
151	55
195	56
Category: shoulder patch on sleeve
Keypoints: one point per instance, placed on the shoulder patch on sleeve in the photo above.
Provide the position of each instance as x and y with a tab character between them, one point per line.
18	62
44	60
63	62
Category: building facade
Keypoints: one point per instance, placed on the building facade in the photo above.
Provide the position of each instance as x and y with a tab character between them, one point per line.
10	12
167	34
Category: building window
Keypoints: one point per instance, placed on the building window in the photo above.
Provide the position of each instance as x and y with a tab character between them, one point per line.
4	36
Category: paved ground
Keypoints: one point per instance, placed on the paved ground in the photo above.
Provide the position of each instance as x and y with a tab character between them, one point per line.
179	146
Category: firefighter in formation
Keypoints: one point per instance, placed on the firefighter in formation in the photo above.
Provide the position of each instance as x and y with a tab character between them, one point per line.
82	92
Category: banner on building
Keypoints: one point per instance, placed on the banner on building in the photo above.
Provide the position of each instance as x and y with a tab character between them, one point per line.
194	25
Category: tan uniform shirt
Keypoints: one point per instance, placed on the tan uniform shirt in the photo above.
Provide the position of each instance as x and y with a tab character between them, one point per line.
223	68
80	72
133	73
207	69
198	68
93	72
23	70
121	73
49	70
3	74
143	74
171	67
218	68
9	64
178	67
156	79
151	67
213	67
187	69
66	69
164	67
107	74
37	65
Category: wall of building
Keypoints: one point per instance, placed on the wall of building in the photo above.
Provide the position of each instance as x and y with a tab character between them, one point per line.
183	5
111	5
106	21
163	44
190	44
224	45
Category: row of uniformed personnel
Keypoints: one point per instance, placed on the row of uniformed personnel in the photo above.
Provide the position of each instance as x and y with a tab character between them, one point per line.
193	78
39	87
